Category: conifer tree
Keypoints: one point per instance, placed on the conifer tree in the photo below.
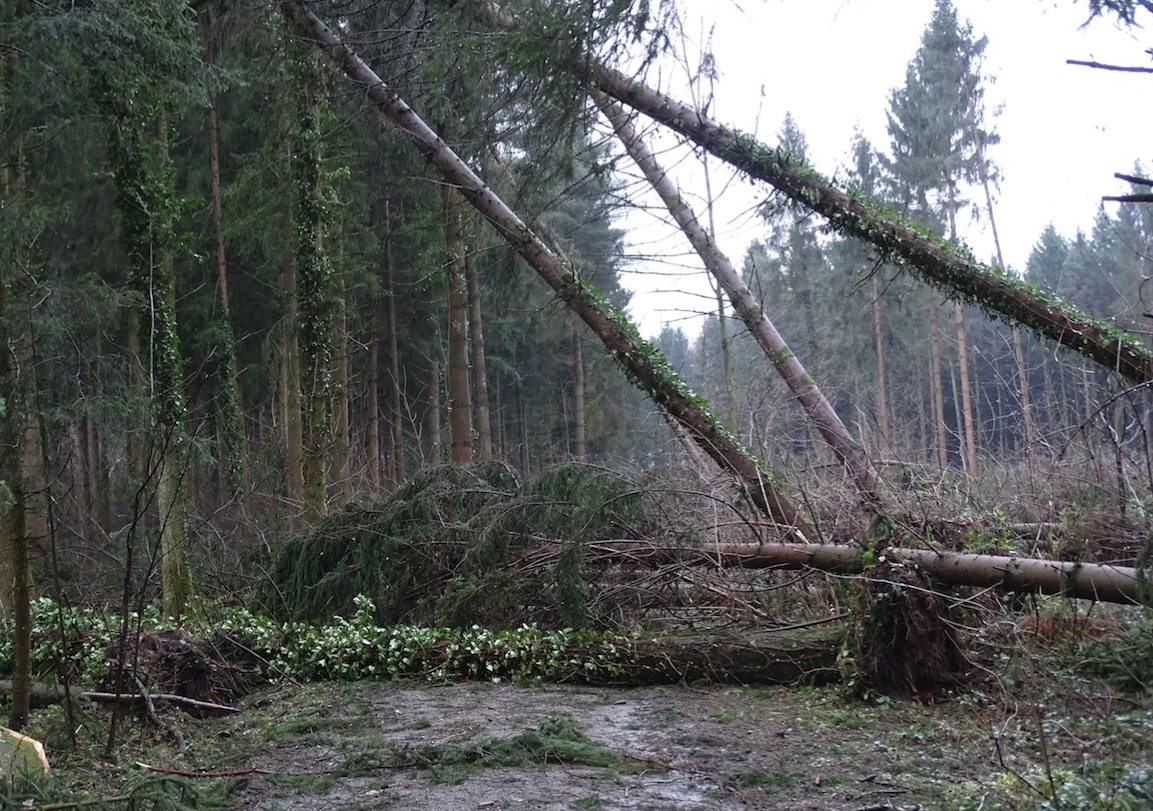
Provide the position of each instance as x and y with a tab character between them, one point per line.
937	146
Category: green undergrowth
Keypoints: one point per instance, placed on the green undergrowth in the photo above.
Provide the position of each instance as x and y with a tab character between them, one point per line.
1125	660
556	740
344	648
447	549
139	790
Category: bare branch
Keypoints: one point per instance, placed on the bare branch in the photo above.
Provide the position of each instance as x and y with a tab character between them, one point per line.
1103	66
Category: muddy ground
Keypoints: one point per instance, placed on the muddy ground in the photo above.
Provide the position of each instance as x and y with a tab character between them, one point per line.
375	746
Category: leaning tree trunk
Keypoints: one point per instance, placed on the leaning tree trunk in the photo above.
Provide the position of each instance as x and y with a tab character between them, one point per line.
640	360
788	365
938	264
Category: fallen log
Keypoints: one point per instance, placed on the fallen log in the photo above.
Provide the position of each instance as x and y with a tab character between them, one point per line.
1088	581
763	658
44	695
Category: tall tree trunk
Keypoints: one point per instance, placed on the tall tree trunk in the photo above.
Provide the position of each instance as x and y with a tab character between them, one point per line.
15	543
342	427
16	592
98	481
313	285
881	394
638	358
290	405
372	427
173	460
396	468
232	433
969	453
433	419
936	389
459	389
800	382
580	446
479	364
144	199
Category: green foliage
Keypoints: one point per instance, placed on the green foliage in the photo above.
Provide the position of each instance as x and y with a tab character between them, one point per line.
555	740
145	791
1125	661
346	649
442	548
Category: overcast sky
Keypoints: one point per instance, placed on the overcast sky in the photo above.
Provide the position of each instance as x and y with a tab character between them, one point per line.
832	63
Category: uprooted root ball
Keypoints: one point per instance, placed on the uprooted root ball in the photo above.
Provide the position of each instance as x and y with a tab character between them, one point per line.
906	645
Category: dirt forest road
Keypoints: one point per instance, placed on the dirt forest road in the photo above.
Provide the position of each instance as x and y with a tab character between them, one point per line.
485	746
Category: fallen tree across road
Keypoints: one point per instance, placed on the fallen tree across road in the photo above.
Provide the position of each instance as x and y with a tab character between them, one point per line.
1088	581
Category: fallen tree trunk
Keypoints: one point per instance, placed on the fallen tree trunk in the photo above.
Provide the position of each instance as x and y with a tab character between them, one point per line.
640	360
941	265
804	388
766	658
44	695
1087	581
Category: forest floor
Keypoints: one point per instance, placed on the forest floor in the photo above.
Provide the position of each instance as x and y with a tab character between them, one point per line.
496	746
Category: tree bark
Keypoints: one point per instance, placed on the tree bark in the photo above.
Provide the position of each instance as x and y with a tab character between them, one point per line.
232	433
459	388
639	359
1088	581
372	427
313	286
341	418
290	415
145	203
936	390
396	469
881	393
580	446
818	410
971	463
15	543
433	451
479	364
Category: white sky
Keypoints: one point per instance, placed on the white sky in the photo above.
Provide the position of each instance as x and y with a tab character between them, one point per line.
832	63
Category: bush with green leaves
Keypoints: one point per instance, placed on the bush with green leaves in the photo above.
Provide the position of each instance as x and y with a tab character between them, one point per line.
344	648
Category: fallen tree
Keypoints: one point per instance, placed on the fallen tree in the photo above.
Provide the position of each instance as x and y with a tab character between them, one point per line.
995	290
1088	581
804	388
944	266
639	359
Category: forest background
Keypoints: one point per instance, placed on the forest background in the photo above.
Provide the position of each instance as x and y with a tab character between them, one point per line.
234	302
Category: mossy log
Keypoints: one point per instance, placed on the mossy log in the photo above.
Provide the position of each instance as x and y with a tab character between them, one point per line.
786	657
